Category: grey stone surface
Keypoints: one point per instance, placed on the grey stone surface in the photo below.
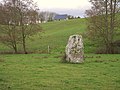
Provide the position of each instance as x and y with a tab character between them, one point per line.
75	50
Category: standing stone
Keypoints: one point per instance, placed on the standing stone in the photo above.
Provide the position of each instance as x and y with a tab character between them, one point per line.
74	49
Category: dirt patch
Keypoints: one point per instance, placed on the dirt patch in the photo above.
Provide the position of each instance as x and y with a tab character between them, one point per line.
2	60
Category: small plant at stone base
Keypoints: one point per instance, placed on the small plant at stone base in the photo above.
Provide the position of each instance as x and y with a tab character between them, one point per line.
63	60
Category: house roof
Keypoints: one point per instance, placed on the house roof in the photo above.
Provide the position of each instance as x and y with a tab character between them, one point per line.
57	17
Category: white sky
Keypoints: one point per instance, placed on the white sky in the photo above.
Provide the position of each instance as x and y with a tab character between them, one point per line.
73	7
69	4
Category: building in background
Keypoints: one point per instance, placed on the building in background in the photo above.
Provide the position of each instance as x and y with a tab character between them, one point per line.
61	17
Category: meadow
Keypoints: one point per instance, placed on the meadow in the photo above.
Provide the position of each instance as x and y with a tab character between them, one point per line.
55	34
46	72
42	71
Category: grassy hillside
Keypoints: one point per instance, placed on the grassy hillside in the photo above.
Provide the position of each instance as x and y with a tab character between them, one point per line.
56	34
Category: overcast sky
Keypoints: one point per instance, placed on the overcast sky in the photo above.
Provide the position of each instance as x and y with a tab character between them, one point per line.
72	7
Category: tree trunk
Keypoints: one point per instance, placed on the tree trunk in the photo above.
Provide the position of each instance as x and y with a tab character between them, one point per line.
15	49
106	27
23	40
109	49
24	45
23	33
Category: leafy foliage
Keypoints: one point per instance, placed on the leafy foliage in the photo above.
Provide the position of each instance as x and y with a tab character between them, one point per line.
103	23
20	24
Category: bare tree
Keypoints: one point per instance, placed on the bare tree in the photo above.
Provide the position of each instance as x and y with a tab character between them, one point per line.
103	22
9	31
46	16
51	16
22	22
27	14
42	16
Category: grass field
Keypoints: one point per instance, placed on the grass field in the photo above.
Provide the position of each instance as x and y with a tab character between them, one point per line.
46	72
55	34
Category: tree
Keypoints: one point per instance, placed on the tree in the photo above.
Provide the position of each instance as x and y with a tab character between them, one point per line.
46	16
103	22
51	16
8	28
21	24
28	17
42	16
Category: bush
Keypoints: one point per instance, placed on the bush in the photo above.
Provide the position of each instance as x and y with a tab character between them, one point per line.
116	48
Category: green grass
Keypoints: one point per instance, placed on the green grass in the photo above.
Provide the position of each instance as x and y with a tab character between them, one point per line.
56	35
46	72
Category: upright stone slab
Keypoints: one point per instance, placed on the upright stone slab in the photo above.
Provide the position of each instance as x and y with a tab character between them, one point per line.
74	49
